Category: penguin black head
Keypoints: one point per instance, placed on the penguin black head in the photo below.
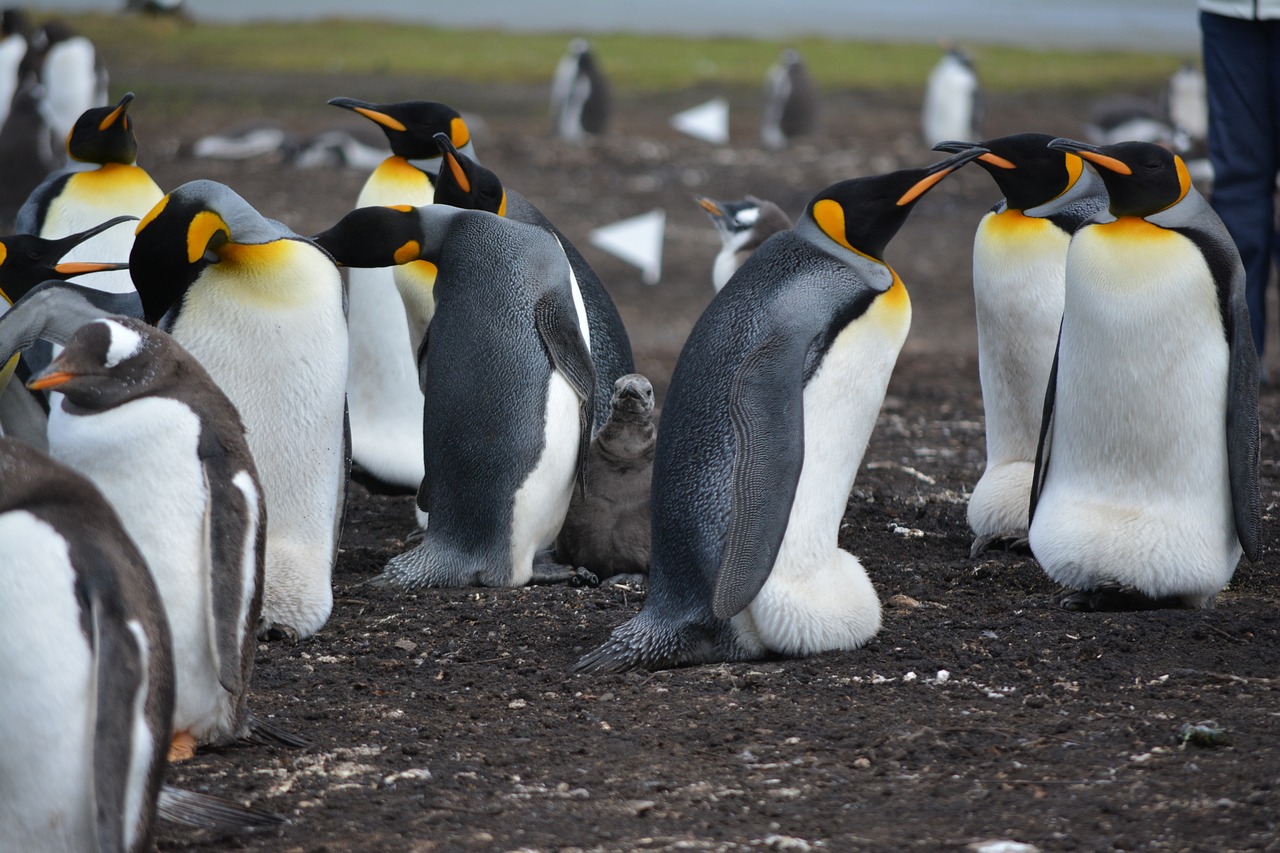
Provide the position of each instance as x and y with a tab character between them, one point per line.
13	21
464	183
1028	172
1142	178
732	217
108	362
863	214
104	135
26	260
375	237
411	126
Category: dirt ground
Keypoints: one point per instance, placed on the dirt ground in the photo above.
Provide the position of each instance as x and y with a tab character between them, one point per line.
450	720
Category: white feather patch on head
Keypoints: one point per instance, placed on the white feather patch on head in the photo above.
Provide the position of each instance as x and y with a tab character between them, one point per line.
125	343
748	216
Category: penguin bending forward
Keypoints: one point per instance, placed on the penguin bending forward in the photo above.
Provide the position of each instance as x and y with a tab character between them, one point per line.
261	308
767	417
1019	274
508	384
1146	482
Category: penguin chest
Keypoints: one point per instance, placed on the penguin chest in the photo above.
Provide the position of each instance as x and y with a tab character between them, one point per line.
396	181
46	700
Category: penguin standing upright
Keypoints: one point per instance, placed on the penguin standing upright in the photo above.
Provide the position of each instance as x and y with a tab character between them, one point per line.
1146	483
146	423
743	226
467	184
581	102
790	102
77	198
953	103
72	72
26	149
86	677
262	310
13	49
1019	272
382	386
768	414
508	383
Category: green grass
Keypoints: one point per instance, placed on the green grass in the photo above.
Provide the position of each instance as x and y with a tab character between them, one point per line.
633	63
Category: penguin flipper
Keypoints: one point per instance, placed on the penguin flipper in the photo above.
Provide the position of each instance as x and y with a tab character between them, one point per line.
1243	436
569	354
53	310
766	409
1046	433
21	415
203	811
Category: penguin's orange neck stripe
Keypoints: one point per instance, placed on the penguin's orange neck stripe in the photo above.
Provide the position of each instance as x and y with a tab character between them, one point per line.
1133	228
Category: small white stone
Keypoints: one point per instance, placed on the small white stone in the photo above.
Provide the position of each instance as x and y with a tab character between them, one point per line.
943	676
910	676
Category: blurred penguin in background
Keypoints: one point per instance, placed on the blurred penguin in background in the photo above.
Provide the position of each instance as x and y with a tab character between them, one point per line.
953	103
1187	103
26	149
790	102
580	97
72	72
14	27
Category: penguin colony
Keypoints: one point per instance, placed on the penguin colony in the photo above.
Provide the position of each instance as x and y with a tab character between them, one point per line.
207	409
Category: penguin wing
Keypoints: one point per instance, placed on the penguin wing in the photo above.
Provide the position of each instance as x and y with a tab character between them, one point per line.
568	352
766	410
53	310
1046	432
1243	438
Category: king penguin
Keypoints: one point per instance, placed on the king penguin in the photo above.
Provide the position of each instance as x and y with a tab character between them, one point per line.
72	72
146	423
1146	482
1019	272
743	226
106	182
262	310
467	184
13	49
505	350
790	102
953	103
581	101
86	677
770	407
382	386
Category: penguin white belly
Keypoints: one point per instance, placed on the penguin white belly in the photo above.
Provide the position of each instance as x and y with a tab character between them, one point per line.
46	703
276	343
12	49
382	386
542	501
1019	275
1137	488
92	197
818	597
71	81
143	457
948	103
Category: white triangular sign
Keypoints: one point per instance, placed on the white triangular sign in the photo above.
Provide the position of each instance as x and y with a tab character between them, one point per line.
637	241
708	122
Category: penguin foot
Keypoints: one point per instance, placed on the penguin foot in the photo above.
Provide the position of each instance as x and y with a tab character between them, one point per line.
414	537
182	747
636	579
1110	597
1010	540
548	570
274	633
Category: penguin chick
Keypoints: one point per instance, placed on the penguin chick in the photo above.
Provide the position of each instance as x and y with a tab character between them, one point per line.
1019	274
606	529
743	226
1146	482
768	414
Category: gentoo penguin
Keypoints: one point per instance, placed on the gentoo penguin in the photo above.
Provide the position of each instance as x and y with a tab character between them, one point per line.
581	102
1146	483
106	182
26	149
146	423
769	410
953	103
790	102
1019	270
508	384
72	72
606	530
262	309
13	48
467	184
382	387
86	677
743	226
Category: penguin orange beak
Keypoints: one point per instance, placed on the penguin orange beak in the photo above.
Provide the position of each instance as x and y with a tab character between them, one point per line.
50	379
993	159
116	114
938	171
708	205
1093	154
82	267
369	111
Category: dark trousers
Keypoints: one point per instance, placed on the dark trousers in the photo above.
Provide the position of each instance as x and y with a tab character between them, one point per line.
1242	76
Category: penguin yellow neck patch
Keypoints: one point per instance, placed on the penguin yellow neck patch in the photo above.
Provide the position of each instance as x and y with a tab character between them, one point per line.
830	218
1133	228
398	174
204	227
1014	225
115	183
459	133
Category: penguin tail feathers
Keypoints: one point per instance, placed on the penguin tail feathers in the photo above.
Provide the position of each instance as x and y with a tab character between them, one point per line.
263	732
203	811
645	643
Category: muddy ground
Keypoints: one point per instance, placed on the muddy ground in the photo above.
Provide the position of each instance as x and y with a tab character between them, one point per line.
449	719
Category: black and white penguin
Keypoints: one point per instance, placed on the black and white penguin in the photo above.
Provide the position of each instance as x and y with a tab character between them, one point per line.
26	149
790	102
581	103
147	424
86	677
1146	484
73	74
106	182
743	226
467	184
1019	274
262	309
768	414
953	102
14	28
606	530
505	350
382	386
